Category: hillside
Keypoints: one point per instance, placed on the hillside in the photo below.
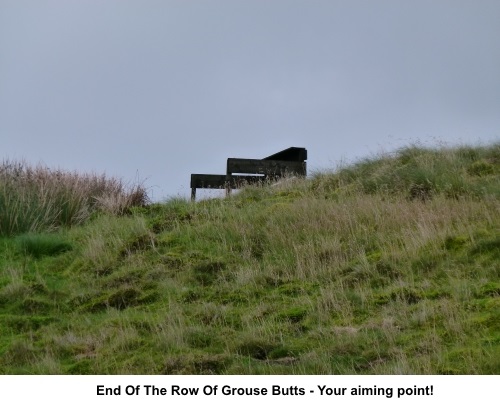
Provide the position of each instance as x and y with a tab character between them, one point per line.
387	266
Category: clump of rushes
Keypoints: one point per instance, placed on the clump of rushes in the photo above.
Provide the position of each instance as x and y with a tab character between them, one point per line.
37	198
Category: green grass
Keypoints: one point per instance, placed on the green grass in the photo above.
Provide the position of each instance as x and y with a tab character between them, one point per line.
387	266
42	244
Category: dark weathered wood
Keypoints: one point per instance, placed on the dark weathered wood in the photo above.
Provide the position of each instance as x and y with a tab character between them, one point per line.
290	154
288	161
208	180
221	180
266	167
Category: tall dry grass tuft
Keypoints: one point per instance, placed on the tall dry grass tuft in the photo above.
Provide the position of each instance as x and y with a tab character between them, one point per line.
36	198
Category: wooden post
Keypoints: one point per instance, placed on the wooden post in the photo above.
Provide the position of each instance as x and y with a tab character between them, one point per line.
228	181
193	193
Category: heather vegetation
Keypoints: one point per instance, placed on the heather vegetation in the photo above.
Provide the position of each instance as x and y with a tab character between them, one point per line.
386	266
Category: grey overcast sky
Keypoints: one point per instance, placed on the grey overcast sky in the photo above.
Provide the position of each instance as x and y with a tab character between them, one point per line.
158	89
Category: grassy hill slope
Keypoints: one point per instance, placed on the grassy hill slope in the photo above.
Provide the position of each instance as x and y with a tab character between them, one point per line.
388	266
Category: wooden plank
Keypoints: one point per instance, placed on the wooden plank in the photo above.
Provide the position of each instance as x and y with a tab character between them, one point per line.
208	180
221	181
241	181
266	167
290	154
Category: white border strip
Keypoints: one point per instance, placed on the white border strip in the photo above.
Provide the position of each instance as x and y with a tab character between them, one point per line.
219	390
